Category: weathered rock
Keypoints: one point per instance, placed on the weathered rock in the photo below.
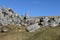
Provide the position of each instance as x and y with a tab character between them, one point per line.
46	19
8	16
53	24
4	29
32	28
57	20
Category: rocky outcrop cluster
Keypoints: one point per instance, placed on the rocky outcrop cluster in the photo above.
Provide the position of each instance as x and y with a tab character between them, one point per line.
9	17
43	22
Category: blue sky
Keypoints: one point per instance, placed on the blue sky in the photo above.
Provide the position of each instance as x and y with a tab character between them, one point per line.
33	7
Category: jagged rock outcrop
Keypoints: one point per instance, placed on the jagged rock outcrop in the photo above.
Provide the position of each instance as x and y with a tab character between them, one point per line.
9	17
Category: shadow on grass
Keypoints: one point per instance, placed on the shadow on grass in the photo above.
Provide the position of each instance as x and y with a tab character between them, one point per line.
58	38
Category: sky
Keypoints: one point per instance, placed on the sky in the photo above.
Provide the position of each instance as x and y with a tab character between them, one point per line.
33	7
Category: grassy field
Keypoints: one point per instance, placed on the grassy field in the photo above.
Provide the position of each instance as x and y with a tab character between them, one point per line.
46	33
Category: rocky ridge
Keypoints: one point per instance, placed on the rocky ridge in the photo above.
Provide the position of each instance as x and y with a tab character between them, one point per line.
9	17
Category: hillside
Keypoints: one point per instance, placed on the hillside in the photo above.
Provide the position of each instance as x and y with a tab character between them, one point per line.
41	34
18	27
44	34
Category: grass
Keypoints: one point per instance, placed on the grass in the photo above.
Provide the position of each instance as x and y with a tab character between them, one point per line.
46	33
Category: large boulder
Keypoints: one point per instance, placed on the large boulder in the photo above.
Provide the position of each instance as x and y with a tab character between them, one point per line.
46	19
32	27
57	20
53	24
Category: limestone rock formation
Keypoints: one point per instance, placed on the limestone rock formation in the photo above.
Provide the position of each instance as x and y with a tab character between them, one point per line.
9	17
33	27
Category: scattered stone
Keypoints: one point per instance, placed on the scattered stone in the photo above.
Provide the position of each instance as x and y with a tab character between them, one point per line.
4	29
